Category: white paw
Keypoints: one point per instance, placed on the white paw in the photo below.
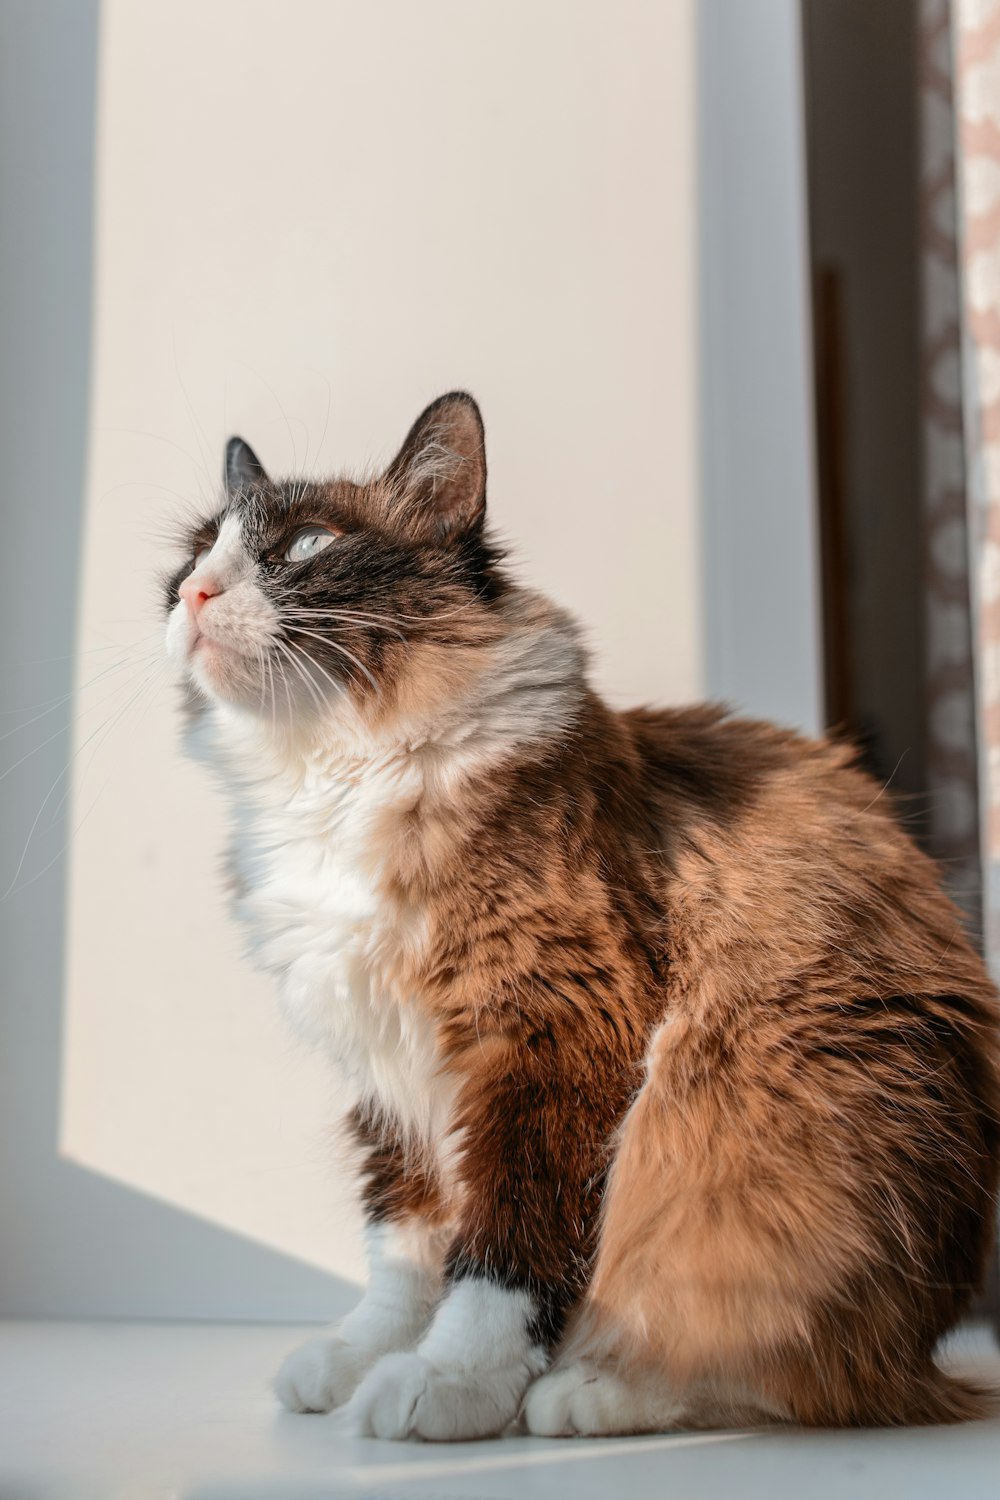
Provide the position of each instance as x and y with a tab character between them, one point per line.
581	1399
405	1396
320	1375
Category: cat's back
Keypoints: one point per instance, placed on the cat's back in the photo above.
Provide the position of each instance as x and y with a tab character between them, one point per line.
701	762
782	847
713	780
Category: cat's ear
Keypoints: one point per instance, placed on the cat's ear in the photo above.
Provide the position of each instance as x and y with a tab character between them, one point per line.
243	470
440	471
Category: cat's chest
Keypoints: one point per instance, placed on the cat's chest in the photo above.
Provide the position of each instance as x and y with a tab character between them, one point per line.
322	916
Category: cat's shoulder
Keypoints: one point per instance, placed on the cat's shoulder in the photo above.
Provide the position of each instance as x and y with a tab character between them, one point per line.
720	760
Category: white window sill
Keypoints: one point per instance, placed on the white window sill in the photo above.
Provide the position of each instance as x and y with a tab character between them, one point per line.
137	1411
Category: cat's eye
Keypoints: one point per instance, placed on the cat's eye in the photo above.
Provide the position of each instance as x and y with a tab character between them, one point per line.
200	555
308	542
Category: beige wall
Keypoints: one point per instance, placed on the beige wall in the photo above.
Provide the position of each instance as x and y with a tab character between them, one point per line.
312	218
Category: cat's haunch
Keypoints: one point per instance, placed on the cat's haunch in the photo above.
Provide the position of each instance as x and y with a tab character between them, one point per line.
678	1078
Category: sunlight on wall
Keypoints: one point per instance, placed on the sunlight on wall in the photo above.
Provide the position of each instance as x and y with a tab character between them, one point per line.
311	220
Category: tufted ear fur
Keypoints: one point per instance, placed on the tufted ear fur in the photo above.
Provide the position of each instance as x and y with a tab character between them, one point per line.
440	471
242	470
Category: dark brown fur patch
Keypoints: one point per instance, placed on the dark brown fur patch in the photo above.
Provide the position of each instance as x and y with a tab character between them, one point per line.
396	1184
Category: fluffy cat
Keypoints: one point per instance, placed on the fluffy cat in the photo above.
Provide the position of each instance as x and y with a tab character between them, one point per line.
678	1079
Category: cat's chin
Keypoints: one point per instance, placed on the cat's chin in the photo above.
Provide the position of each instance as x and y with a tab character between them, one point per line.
227	677
223	674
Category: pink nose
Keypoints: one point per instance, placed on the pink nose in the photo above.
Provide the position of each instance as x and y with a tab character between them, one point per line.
197	589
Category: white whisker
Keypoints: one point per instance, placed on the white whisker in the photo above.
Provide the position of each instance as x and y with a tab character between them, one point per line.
274	702
325	617
106	725
65	728
285	648
56	703
336	647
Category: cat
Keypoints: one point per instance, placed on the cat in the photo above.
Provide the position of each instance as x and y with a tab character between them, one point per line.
678	1082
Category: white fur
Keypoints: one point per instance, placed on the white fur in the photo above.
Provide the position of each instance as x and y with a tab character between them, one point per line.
586	1399
228	560
467	1376
234	627
435	462
309	867
404	1282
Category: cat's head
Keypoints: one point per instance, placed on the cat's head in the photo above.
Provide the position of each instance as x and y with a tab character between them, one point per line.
297	594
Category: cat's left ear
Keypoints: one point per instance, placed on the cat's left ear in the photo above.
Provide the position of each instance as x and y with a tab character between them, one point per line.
243	470
440	471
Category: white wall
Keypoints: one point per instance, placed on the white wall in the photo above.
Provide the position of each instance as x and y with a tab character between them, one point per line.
307	220
311	219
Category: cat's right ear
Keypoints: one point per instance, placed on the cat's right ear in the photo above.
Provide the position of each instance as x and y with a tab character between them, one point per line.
242	470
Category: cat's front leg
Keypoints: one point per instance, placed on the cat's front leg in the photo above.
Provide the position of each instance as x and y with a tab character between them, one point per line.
405	1254
466	1378
528	1169
322	1373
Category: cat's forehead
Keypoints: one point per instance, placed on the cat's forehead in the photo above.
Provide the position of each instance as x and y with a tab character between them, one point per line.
259	515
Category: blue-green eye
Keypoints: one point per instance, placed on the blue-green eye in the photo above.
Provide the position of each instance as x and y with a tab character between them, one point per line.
308	542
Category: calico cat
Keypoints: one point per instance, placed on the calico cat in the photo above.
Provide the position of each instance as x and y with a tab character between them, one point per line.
678	1083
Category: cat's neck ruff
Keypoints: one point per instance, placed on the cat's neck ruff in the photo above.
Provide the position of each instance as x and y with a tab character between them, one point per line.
467	710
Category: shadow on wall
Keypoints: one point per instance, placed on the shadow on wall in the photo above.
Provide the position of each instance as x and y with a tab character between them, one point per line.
71	1242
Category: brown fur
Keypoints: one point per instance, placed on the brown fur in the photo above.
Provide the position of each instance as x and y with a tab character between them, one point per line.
699	951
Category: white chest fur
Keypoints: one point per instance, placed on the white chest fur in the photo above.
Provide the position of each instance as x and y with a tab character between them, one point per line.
309	855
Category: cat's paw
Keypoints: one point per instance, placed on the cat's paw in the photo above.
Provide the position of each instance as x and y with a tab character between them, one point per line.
320	1375
405	1396
582	1399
